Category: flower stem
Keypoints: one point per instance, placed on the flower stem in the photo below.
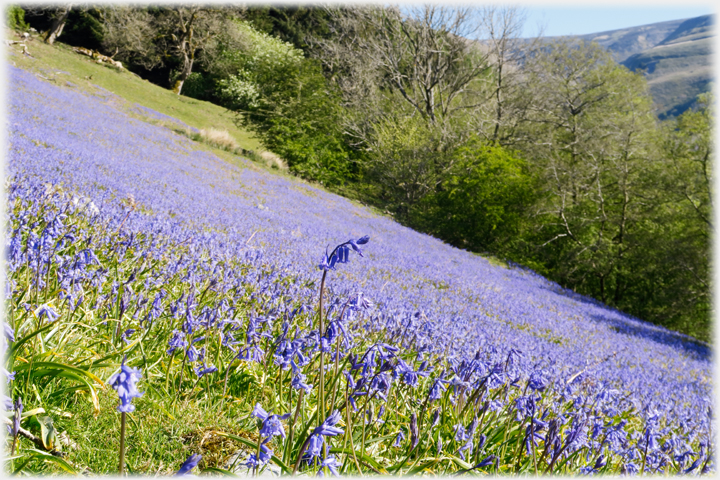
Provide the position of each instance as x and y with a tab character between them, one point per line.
321	389
122	442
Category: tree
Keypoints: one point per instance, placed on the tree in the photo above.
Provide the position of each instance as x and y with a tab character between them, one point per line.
179	36
424	58
593	146
15	17
504	100
483	203
287	101
60	17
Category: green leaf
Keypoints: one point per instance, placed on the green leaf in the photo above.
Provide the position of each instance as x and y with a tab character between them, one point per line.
47	432
363	457
420	468
25	339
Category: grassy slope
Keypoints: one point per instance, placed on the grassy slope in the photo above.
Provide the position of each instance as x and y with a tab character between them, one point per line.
84	72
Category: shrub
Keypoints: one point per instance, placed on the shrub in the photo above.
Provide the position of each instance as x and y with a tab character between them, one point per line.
16	18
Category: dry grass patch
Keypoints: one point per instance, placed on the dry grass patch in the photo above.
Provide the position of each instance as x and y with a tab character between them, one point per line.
273	161
219	138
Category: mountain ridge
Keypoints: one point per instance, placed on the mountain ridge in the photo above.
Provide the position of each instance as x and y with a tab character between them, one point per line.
675	56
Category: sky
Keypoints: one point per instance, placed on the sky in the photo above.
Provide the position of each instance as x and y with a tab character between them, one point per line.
580	17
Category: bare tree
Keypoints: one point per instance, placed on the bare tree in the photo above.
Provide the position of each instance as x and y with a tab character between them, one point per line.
426	56
507	100
129	31
185	34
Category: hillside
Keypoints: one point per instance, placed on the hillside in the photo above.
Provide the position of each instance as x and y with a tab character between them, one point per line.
133	248
675	55
680	67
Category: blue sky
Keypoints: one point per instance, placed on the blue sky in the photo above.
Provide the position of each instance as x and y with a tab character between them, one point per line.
582	17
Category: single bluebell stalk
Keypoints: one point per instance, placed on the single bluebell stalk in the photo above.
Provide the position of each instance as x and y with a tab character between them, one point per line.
124	382
47	311
271	425
340	254
188	465
328	428
398	439
260	459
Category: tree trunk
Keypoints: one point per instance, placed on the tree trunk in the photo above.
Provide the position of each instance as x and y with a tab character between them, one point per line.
184	73
57	26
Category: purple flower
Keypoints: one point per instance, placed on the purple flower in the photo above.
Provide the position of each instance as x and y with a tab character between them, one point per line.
314	448
127	334
204	370
331	463
271	425
486	461
47	311
189	464
124	382
328	428
177	341
9	332
341	253
18	406
265	456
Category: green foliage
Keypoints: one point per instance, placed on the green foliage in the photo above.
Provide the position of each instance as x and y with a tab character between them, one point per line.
405	160
84	28
287	101
16	18
483	203
292	24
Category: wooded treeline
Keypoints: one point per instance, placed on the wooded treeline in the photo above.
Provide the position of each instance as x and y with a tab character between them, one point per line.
545	155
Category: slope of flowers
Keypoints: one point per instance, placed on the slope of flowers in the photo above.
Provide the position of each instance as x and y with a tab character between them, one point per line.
469	317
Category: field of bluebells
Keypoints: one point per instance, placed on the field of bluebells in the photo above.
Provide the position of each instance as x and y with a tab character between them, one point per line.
138	261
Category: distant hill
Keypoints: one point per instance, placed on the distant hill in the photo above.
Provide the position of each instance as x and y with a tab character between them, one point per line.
676	57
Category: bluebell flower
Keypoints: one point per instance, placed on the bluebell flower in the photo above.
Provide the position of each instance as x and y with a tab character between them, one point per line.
9	376
328	428
18	407
467	447
265	456
314	448
189	464
332	464
486	461
127	334
436	418
9	332
124	382
47	311
437	389
201	370
271	425
341	253
177	341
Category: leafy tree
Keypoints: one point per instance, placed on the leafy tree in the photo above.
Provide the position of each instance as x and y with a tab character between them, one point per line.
483	203
297	25
592	146
287	101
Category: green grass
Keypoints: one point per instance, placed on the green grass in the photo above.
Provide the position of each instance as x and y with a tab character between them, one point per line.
84	72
